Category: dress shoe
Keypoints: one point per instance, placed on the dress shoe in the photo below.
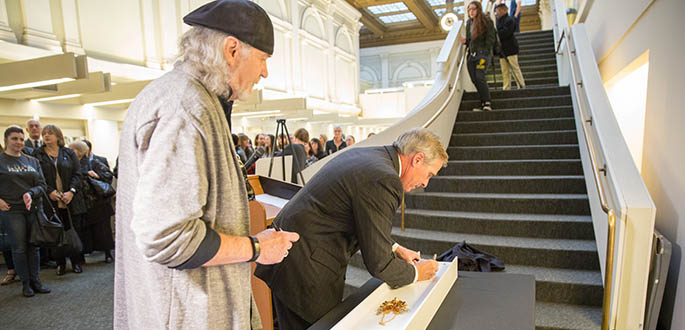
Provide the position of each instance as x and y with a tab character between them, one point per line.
61	270
108	259
39	287
77	268
26	290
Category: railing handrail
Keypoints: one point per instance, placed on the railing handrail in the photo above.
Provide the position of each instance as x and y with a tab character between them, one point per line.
611	214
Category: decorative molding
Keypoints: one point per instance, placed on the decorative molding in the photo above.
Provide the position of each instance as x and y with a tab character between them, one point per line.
72	32
38	29
6	32
309	14
409	64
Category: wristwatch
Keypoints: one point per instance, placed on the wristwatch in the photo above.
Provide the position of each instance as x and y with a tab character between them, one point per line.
255	248
73	191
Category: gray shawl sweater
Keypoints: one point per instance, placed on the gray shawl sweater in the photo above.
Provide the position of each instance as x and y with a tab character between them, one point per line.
177	173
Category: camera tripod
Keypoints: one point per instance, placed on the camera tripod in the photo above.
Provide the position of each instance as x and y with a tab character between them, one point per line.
280	126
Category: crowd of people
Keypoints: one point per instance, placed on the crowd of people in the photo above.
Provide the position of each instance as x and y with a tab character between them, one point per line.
307	150
42	169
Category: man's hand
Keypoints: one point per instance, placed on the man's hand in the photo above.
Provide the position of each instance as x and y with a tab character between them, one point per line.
27	201
274	245
4	206
427	269
407	255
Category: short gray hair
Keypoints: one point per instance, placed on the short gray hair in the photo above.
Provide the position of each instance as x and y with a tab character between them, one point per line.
424	141
81	147
202	51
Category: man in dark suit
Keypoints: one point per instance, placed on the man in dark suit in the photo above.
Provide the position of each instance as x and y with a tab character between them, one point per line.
92	156
510	49
348	206
34	128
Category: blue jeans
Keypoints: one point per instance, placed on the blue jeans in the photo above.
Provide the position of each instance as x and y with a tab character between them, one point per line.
24	254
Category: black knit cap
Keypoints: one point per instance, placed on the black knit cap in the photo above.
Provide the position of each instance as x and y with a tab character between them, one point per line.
242	19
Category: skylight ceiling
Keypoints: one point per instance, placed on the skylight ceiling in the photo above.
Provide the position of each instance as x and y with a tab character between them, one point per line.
388	8
398	18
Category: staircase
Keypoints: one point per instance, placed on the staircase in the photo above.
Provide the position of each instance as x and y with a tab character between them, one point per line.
514	187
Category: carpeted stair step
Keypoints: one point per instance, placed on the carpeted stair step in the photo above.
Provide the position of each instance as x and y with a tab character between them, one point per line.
561	151
541	184
537	50
529	68
552	316
516	113
519	93
570	204
514	167
520	102
534	34
519	125
526	75
524	62
499	224
530	82
569	286
538	252
514	138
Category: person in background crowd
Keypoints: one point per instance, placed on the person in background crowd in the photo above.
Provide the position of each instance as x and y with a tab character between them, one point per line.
183	244
348	206
21	184
271	147
92	156
62	172
97	231
297	149
370	135
316	148
514	12
480	39
11	275
238	150
337	143
509	59
33	127
259	140
349	140
323	138
244	144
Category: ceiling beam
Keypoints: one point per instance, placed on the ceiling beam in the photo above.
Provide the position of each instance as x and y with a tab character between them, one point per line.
368	3
422	12
402	37
369	21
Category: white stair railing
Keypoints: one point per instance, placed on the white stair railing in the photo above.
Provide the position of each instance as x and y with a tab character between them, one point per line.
623	212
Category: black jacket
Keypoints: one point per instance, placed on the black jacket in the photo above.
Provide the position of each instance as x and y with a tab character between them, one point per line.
69	169
506	26
331	148
485	42
346	207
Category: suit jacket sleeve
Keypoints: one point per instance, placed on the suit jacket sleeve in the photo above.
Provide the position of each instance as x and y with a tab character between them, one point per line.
506	29
373	208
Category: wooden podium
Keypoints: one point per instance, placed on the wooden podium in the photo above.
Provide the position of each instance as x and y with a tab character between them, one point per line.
261	215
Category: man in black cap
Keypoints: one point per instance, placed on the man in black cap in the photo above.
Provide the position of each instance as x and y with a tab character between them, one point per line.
183	251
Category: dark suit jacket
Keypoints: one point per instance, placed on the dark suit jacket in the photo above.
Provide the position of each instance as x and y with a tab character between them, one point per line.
29	143
347	206
101	159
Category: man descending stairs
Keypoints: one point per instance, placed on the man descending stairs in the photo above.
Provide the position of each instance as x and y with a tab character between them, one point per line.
514	187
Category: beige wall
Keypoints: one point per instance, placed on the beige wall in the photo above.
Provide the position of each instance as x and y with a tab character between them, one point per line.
621	31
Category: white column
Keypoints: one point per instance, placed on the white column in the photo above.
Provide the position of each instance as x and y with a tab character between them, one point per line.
385	70
72	32
38	29
331	95
296	47
433	64
355	45
6	32
170	32
151	32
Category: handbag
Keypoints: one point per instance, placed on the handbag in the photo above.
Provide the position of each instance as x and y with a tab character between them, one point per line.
472	259
45	232
102	188
71	244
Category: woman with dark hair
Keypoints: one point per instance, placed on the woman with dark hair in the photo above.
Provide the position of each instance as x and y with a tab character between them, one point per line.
21	185
480	39
62	172
97	231
270	145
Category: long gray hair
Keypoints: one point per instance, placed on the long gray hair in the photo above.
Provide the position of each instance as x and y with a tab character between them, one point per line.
202	52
